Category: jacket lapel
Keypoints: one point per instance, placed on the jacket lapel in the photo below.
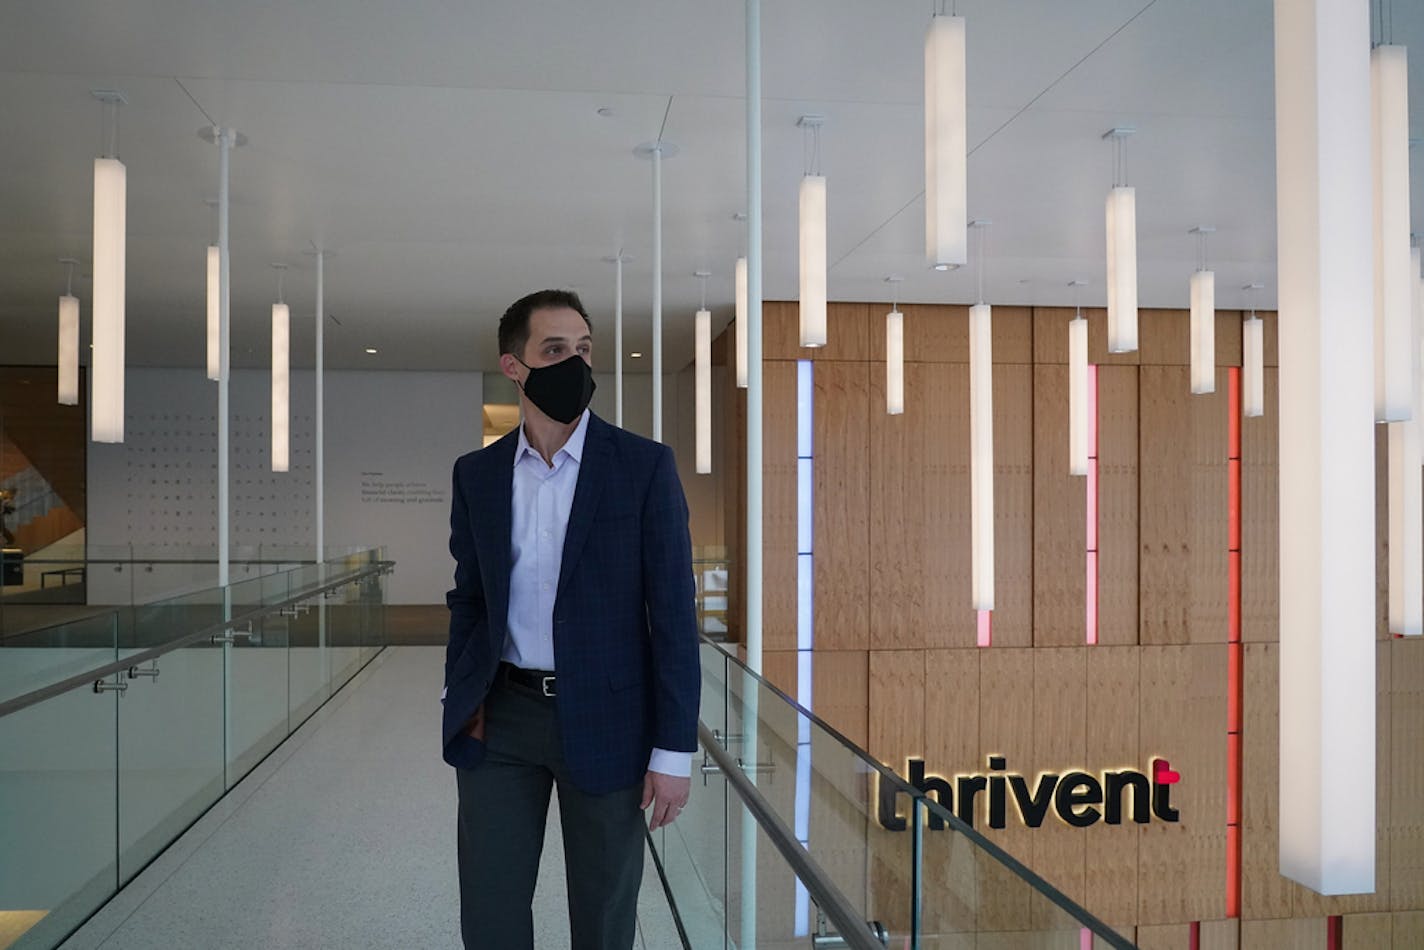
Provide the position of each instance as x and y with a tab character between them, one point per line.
593	472
496	494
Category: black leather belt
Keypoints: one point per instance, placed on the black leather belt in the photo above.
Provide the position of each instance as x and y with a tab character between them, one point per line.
541	681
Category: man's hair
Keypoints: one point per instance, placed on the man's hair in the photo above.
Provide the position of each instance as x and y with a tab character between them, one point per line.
514	325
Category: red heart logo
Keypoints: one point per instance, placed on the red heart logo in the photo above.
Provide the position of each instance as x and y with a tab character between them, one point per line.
1162	773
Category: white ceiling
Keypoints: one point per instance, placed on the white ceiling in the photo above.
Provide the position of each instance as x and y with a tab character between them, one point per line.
452	156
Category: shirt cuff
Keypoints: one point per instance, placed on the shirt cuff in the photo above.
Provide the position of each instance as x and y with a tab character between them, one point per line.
676	764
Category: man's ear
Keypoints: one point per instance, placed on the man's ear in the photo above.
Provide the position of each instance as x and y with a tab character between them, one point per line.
509	366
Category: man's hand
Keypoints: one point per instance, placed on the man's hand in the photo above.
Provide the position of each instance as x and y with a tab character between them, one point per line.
667	794
475	728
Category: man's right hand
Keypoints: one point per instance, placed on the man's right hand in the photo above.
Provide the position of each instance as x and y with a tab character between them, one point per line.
475	728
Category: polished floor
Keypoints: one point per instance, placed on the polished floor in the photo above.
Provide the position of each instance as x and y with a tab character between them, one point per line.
343	837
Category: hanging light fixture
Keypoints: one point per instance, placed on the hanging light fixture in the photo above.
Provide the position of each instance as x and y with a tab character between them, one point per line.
946	143
214	301
981	439
1203	332
703	373
741	331
1389	94
1077	386
813	236
110	209
1406	498
281	383
1122	250
894	352
68	338
1253	353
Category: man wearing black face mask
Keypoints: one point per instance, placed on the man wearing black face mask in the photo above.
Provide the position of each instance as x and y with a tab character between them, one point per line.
572	660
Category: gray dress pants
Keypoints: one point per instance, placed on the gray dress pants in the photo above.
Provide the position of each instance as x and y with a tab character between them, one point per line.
504	807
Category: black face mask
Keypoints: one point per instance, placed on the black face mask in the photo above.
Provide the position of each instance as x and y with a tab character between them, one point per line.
561	391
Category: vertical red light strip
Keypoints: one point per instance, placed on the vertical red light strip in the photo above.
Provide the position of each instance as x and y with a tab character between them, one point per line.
1194	935
1334	933
1090	599
1233	646
986	628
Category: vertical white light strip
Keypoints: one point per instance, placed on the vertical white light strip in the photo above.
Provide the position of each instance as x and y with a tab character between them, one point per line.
1203	293
657	292
813	260
214	307
281	387
805	614
1122	269
1253	371
1078	396
703	373
618	339
741	331
1327	441
946	144
981	462
1389	112
106	389
895	362
68	350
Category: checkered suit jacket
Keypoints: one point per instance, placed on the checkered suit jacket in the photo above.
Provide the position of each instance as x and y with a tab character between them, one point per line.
625	629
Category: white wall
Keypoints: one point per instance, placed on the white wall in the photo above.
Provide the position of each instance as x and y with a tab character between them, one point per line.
391	439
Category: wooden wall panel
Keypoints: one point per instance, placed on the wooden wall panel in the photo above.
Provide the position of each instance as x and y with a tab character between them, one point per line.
1164	337
1298	934
939	333
1112	739
1260	520
778	667
1264	893
1006	683
1207	617
1164	936
1408	929
1013	505
1405	672
1059	516
842	504
952	710
1221	934
897	696
1050	338
841	692
1117	504
779	508
1367	932
1060	718
919	513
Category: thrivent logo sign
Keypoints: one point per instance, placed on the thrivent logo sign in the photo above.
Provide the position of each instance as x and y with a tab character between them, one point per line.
1078	798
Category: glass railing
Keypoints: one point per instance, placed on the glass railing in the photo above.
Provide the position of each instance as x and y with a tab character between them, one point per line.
118	730
903	887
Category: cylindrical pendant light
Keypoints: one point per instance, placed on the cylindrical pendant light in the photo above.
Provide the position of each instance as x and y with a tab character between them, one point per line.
110	211
68	365
894	353
981	441
1077	391
214	311
946	144
703	379
741	331
1203	319
1121	251
281	383
812	233
1253	360
1389	92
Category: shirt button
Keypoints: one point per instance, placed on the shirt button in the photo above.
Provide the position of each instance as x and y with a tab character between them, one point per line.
546	585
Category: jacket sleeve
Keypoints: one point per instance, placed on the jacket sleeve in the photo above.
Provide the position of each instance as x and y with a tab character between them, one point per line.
467	600
672	616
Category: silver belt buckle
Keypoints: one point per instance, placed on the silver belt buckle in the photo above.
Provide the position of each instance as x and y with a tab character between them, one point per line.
547	686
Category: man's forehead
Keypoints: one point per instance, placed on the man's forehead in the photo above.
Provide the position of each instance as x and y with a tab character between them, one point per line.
558	324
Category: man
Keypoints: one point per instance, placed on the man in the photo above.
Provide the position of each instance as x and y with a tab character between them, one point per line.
572	660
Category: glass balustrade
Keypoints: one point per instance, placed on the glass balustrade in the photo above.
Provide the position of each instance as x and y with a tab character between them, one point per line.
98	778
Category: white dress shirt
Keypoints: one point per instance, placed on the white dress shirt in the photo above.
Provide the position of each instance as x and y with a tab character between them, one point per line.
543	496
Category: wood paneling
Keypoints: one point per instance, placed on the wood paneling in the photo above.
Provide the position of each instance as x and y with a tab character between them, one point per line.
952	710
1298	934
841	690
847	332
1112	739
1013	505
1059	518
1060	718
1367	932
919	513
779	508
841	468
897	696
1264	893
1006	684
1117	504
1050	338
1260	520
939	333
1405	672
1165	337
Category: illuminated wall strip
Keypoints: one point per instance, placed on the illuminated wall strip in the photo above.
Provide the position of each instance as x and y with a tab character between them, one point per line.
985	627
805	617
1090	588
1334	933
1233	646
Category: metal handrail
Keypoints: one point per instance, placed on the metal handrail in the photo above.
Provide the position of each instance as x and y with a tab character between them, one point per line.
25	700
854	930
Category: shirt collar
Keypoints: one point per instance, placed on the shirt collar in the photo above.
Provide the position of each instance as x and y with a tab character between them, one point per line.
573	447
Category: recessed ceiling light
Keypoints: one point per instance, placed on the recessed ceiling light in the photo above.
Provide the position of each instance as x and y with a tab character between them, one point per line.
605	111
371	350
636	355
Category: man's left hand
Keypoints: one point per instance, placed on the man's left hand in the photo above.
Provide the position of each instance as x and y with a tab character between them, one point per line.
668	796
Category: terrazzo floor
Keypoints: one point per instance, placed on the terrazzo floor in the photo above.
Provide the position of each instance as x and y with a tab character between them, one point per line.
343	837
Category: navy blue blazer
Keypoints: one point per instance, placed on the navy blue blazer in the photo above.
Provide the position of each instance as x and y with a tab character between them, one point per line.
625	626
